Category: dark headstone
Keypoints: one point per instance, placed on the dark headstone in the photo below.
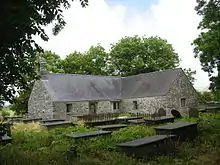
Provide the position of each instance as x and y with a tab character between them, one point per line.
176	113
193	112
161	112
71	154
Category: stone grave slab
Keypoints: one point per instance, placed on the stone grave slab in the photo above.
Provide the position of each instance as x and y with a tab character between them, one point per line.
111	127
58	124
29	120
86	135
137	121
5	139
159	120
183	130
149	146
52	120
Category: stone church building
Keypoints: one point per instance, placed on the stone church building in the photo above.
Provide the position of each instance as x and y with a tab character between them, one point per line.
61	96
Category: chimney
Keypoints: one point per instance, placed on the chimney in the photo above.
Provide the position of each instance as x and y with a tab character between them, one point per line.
43	67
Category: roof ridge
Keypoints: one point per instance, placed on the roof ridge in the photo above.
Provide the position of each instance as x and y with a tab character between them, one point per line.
87	75
82	75
161	71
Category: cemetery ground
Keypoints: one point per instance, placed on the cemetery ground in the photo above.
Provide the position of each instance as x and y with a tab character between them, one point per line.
33	145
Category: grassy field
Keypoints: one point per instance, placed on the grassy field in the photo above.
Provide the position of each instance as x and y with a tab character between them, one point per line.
32	145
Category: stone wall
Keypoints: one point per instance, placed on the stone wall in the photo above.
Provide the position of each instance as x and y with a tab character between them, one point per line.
60	109
147	105
40	102
182	88
105	107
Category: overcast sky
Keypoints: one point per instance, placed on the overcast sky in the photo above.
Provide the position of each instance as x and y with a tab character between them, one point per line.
106	21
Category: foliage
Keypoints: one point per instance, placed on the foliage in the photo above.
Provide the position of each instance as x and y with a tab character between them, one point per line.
208	42
91	62
209	96
38	146
5	113
20	21
190	74
20	105
8	110
134	55
54	62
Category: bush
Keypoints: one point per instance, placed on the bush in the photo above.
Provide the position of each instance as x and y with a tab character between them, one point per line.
5	113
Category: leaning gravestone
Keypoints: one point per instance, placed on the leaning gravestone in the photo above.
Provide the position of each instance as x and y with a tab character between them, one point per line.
161	112
176	113
193	112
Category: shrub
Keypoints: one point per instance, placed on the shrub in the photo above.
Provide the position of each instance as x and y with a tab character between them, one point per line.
5	113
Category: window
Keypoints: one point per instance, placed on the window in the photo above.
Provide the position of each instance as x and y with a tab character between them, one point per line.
135	104
115	105
92	107
183	102
68	108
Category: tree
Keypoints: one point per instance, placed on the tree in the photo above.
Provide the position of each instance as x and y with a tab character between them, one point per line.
54	62
20	21
92	62
20	103
74	63
190	74
209	96
207	45
97	60
134	55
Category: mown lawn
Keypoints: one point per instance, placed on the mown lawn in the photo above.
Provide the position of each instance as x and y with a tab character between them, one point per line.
34	146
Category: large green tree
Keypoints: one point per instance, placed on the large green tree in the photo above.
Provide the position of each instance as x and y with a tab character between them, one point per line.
93	62
20	21
207	45
134	55
53	60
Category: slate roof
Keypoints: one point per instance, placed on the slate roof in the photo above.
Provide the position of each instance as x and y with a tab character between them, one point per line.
73	87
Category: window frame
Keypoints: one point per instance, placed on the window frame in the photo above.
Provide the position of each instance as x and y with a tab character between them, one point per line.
69	108
115	105
183	102
135	104
95	107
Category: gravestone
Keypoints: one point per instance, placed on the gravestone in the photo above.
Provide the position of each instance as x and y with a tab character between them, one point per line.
193	112
161	112
176	113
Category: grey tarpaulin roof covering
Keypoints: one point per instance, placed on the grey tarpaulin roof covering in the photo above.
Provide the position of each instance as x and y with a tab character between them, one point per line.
72	87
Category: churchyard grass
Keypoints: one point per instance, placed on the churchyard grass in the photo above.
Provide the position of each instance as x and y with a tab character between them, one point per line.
33	145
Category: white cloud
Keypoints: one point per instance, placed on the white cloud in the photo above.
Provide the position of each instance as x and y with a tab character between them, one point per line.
174	20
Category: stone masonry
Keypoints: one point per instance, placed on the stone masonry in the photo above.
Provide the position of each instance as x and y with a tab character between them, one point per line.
40	103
